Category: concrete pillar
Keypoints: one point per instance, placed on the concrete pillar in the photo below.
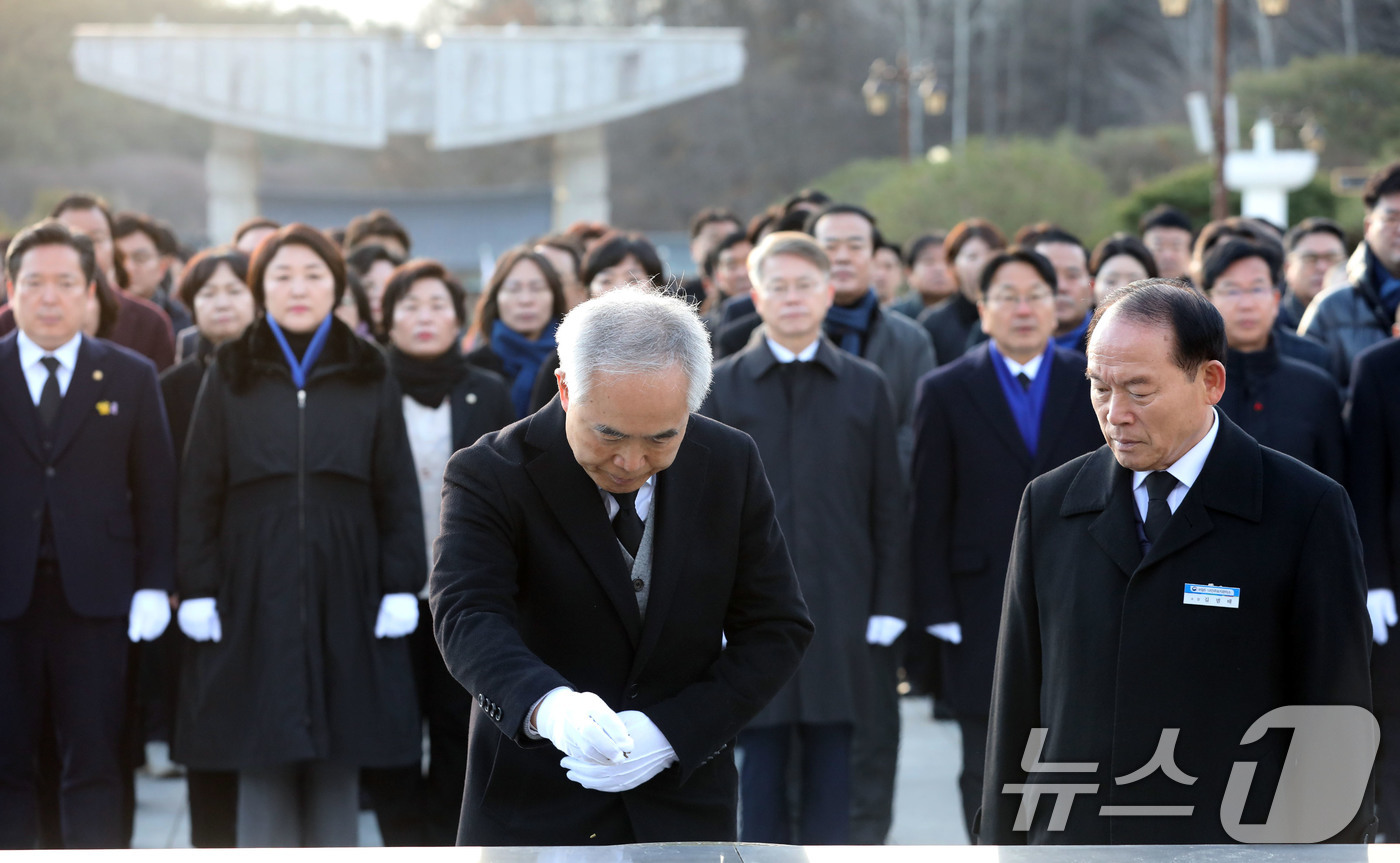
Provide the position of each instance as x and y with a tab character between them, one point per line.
579	174
231	181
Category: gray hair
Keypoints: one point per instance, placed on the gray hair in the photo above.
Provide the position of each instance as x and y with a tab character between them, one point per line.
634	331
793	243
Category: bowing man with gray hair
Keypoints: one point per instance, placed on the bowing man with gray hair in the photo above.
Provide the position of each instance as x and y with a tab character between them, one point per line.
612	587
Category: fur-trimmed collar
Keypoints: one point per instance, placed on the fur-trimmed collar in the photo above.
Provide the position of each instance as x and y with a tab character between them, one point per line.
257	354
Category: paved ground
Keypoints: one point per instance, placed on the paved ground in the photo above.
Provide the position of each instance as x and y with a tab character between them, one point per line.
927	811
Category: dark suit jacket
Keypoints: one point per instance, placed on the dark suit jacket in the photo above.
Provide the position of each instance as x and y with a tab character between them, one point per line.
109	481
1098	647
530	592
831	459
141	326
970	468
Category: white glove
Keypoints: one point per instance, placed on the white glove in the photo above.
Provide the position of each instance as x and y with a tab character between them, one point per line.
651	755
582	726
199	619
150	615
949	632
1381	606
398	615
883	629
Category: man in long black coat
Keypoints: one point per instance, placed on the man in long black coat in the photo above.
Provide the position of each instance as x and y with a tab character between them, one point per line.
87	487
824	424
972	463
1165	593
638	649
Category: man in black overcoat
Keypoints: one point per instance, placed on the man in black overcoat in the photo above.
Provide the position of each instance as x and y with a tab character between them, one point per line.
86	524
981	434
824	424
1165	593
637	648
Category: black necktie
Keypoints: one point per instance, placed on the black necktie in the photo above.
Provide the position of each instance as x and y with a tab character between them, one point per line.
49	397
627	524
1159	484
1025	380
788	373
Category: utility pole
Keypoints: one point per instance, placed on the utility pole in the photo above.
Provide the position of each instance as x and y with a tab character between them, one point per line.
1219	199
913	109
1349	26
962	49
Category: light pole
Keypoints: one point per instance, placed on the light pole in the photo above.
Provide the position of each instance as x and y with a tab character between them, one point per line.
1219	199
902	76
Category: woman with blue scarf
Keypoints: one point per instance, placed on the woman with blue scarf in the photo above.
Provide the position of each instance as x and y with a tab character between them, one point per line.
515	323
300	558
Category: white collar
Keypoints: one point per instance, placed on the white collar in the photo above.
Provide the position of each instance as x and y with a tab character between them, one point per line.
1030	369
66	353
783	355
1187	469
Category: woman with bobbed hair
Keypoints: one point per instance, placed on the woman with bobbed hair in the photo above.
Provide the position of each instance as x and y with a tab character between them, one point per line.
514	325
447	404
955	326
621	258
300	559
1119	260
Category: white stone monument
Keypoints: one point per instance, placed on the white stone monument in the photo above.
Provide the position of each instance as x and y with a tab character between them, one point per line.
473	87
1264	176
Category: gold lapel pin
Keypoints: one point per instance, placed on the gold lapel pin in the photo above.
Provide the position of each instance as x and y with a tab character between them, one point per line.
97	375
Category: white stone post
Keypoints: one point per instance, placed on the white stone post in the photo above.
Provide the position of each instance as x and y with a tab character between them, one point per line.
231	181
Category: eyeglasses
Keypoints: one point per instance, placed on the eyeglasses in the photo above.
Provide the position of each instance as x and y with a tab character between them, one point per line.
1007	298
804	288
1232	294
1312	259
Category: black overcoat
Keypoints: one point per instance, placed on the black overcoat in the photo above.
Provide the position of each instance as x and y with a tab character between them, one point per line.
1098	647
298	520
970	468
529	591
834	468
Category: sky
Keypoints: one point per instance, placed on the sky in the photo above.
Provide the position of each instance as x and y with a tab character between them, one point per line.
402	12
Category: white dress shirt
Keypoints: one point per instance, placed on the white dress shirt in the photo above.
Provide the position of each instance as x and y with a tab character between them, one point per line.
36	374
1186	470
430	439
642	505
1029	369
783	355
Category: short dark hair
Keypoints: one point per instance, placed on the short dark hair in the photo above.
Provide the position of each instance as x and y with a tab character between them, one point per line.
128	223
201	269
921	242
584	231
1231	227
763	223
295	234
355	288
86	202
376	223
892	246
806	196
1019	254
1165	216
709	216
972	229
1232	251
728	241
1122	243
253	224
488	309
614	247
1055	234
1384	182
1029	235
1198	329
403	279
50	232
838	209
366	256
567	244
1312	225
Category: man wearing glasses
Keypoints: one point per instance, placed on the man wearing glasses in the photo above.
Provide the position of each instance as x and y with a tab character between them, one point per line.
1352	318
1315	245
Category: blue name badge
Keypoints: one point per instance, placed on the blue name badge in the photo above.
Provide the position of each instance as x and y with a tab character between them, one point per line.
1210	594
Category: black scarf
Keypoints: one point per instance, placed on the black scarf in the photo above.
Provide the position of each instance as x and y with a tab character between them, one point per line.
428	382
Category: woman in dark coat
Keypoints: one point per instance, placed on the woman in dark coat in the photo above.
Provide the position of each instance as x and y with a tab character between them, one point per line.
514	326
214	287
300	557
447	405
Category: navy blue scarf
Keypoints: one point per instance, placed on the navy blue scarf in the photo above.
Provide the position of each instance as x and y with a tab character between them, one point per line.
301	368
1387	285
1026	404
521	359
1070	341
848	325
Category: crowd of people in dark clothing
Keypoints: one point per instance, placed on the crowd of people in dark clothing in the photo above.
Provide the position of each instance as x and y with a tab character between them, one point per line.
315	381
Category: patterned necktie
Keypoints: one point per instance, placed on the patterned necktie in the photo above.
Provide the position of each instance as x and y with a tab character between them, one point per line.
627	524
1159	484
50	397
